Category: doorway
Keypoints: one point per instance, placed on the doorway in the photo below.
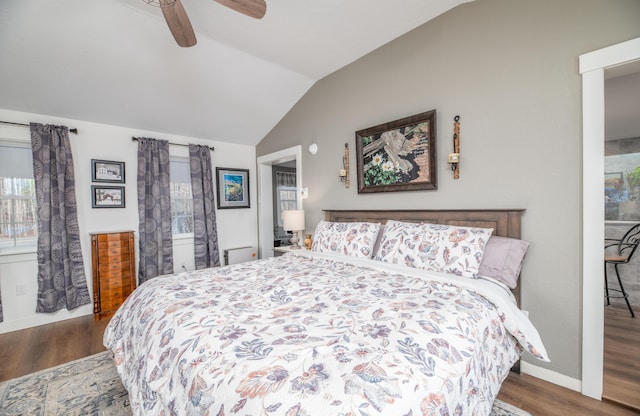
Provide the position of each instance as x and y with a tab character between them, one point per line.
592	66
265	193
285	198
621	381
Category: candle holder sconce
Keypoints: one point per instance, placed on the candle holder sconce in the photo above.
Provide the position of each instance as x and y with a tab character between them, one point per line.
454	158
344	173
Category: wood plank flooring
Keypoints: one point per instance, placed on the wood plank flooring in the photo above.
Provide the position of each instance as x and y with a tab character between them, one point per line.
29	350
621	357
33	349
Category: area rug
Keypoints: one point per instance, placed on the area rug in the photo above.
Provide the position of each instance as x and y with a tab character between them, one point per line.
91	386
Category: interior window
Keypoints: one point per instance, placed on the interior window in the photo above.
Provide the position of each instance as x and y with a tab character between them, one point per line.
181	196
285	198
18	215
622	180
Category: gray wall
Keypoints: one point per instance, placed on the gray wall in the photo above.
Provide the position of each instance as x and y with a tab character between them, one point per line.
509	68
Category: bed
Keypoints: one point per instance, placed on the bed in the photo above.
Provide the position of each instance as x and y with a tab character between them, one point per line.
359	325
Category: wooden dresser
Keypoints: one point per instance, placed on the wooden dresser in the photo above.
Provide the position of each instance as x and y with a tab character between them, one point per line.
114	270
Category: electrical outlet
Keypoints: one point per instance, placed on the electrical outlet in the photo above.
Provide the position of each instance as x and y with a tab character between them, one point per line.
21	290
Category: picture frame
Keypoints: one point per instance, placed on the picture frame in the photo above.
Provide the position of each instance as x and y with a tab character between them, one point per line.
232	188
107	171
398	156
107	196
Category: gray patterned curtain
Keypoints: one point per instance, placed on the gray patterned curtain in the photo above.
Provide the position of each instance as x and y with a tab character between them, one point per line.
205	233
61	279
154	209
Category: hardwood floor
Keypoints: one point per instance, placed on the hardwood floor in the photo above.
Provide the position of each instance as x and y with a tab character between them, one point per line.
621	357
34	349
621	377
29	350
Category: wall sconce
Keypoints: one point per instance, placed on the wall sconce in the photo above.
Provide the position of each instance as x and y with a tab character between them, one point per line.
454	158
313	148
344	173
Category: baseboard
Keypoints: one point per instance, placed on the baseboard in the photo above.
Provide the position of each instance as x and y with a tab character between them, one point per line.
551	376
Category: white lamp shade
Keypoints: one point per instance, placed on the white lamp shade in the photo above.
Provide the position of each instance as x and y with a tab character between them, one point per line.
293	220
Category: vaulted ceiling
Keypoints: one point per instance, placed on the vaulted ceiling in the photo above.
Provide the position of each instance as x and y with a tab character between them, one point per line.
115	61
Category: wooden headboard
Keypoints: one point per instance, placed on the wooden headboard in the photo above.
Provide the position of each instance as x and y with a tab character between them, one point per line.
505	222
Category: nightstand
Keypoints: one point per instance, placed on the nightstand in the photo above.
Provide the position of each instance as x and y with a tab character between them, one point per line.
279	251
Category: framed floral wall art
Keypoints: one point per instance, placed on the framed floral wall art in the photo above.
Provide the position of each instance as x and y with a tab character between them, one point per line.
398	156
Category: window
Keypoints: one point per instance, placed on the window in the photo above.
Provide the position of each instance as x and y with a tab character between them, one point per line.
18	215
181	196
622	180
286	188
285	198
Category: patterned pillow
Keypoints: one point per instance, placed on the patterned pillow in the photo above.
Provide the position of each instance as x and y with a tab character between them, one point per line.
349	238
435	247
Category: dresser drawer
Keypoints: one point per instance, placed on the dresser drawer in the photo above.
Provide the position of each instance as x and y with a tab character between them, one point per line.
112	299
113	246
113	238
113	256
120	250
110	304
108	285
116	274
112	266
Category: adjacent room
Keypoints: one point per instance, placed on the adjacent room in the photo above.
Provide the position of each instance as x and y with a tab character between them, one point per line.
295	207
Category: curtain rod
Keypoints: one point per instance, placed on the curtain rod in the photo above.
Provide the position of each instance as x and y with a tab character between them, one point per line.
74	131
135	139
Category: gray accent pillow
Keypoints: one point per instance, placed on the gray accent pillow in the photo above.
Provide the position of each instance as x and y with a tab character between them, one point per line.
502	259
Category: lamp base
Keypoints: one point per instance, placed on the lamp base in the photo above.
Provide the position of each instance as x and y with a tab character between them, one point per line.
294	241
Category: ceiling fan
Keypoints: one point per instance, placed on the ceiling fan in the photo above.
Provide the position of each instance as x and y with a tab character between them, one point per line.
179	23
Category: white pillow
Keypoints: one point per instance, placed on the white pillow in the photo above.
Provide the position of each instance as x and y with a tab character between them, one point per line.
348	238
436	247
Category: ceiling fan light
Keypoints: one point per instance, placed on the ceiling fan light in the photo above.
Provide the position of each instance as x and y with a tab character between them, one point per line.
160	3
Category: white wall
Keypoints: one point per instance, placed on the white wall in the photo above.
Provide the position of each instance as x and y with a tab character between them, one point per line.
236	227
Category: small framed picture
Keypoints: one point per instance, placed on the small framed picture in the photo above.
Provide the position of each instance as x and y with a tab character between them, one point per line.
107	171
233	188
107	196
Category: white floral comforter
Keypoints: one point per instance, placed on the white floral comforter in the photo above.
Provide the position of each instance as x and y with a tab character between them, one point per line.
313	334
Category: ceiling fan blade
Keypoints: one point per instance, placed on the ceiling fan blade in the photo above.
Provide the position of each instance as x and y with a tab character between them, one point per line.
179	24
252	8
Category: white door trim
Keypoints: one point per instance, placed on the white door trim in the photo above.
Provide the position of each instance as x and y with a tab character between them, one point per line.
592	66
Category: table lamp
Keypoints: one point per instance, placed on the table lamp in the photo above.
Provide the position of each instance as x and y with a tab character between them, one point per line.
294	222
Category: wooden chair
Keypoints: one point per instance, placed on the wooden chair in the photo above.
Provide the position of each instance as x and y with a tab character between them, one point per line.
621	252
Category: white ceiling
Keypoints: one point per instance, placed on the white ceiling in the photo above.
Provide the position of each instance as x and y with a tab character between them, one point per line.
115	62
